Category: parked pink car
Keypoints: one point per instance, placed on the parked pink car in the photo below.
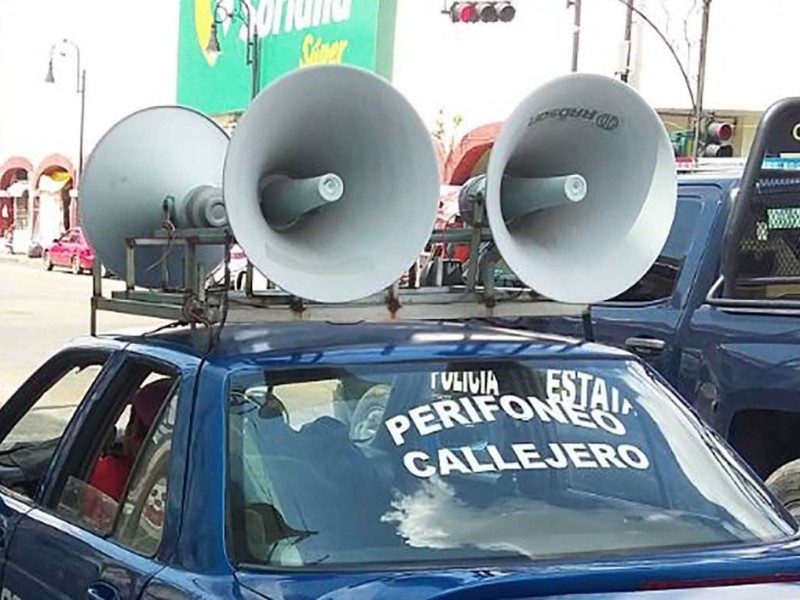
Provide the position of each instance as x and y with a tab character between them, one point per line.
70	250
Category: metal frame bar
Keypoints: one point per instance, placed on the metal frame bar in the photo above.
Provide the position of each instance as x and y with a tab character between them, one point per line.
772	120
752	305
394	305
193	305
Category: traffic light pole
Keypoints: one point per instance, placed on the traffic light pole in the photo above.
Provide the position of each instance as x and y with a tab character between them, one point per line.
626	71
701	78
576	32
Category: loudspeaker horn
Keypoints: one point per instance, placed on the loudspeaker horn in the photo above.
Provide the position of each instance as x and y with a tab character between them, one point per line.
163	161
331	183
581	188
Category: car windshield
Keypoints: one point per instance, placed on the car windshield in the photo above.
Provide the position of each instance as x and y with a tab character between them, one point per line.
469	462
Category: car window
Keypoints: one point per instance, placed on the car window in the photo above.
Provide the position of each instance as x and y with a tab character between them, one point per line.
642	486
121	492
660	280
141	521
51	412
30	442
476	461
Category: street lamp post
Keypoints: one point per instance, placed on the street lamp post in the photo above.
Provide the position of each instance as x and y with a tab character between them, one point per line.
576	32
80	89
252	57
628	32
630	10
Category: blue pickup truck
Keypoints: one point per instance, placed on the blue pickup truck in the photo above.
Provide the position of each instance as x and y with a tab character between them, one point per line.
717	314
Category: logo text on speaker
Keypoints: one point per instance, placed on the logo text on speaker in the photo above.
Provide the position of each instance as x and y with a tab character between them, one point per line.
605	121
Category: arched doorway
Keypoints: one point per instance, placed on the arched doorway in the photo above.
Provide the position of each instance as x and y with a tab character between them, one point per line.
14	204
55	207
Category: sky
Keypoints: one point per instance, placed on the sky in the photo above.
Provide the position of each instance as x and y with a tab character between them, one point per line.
128	49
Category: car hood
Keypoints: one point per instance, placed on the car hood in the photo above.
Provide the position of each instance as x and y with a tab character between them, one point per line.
770	572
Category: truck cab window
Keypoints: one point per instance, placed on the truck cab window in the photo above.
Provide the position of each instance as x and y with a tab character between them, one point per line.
660	281
769	250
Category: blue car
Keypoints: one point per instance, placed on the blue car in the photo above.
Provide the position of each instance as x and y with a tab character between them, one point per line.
399	460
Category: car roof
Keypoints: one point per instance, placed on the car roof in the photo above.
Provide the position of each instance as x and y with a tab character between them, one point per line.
388	341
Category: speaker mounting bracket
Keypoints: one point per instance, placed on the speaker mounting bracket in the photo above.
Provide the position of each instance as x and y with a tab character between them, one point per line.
199	304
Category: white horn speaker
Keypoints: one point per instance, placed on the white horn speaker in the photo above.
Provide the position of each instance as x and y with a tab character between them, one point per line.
331	183
161	157
581	188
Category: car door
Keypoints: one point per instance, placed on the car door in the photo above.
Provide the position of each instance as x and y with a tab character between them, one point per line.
71	246
80	543
648	317
58	249
32	424
84	250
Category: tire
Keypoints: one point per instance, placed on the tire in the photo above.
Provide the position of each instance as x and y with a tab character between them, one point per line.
75	266
48	264
785	484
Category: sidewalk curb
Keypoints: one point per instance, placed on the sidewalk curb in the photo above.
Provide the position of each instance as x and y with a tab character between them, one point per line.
19	258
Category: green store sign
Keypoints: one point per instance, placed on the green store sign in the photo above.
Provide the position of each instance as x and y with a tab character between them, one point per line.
292	34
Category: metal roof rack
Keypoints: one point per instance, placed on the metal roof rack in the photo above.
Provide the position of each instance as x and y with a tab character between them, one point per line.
198	304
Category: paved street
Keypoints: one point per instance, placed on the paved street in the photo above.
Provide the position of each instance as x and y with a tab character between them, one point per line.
40	311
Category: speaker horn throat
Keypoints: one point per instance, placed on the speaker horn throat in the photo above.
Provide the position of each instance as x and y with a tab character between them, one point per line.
524	195
285	199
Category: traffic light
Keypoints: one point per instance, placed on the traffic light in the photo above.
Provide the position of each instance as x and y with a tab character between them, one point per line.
681	141
716	139
485	12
